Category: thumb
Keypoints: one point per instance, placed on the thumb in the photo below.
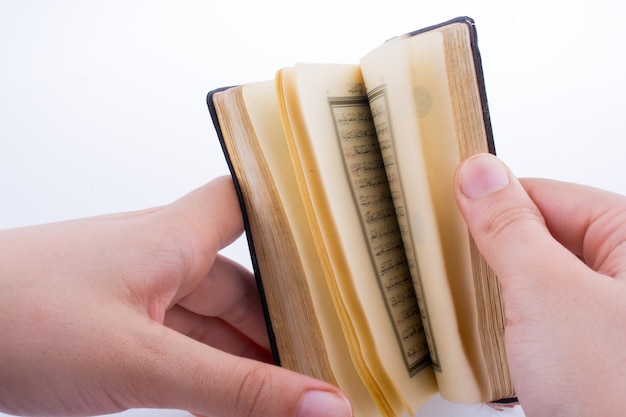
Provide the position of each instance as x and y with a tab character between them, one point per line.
508	228
188	375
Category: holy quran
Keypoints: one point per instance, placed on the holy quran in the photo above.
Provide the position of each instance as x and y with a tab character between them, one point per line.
367	272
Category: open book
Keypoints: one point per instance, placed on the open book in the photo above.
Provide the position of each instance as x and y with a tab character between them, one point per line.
369	276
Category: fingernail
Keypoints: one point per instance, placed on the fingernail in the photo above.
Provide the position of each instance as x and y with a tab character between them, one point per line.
483	174
323	404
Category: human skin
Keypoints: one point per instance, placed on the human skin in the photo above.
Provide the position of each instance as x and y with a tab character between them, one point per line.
103	314
558	250
138	309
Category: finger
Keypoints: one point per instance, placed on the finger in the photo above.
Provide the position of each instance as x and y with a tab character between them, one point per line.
217	333
213	211
200	224
509	229
588	221
173	371
229	292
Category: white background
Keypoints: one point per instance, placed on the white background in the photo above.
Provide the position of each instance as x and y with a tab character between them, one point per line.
102	103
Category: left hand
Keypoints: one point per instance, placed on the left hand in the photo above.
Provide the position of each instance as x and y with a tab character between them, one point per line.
103	314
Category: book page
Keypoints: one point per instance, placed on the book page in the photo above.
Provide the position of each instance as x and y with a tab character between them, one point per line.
420	175
274	252
364	165
262	107
429	105
380	112
342	238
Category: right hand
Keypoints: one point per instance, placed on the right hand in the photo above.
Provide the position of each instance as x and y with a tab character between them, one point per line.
560	254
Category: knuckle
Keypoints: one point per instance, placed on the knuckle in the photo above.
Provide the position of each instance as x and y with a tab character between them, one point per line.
255	392
503	219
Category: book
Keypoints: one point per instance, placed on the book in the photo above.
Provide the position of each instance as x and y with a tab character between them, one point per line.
369	277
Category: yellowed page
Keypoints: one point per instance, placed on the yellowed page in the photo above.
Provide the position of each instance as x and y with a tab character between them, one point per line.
262	106
364	166
415	98
275	250
342	239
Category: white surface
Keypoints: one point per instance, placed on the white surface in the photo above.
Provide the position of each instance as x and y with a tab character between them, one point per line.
102	102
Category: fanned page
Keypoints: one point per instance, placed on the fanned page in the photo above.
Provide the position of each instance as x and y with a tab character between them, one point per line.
262	107
342	179
307	337
428	114
274	249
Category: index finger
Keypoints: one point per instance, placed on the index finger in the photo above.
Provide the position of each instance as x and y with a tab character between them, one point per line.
588	221
211	212
204	221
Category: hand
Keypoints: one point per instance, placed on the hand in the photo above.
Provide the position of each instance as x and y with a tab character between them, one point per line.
558	250
138	310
